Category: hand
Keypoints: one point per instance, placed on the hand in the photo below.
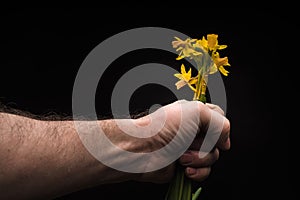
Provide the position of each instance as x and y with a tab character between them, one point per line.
197	168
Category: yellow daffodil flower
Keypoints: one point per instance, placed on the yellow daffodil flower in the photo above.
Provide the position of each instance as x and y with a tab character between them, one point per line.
219	64
185	78
211	44
185	47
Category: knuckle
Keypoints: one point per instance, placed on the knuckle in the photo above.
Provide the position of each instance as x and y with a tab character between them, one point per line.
216	154
226	126
206	172
215	108
203	173
201	105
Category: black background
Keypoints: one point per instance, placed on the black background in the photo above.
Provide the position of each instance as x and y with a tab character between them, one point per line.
42	49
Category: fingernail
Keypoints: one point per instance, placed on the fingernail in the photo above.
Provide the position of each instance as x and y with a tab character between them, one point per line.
186	158
191	171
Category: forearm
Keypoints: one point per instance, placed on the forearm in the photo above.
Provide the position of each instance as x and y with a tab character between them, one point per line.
46	159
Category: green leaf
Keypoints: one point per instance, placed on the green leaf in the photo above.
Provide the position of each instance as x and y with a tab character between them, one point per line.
196	194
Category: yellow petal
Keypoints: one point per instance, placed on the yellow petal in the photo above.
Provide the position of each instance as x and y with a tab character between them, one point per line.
177	38
175	44
223	71
178	76
183	69
180	84
179	57
220	47
187	76
203	42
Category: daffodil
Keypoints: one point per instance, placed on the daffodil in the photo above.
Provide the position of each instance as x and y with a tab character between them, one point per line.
185	47
211	44
185	78
219	64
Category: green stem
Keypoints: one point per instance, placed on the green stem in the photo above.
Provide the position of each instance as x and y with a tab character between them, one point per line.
192	88
180	187
202	95
187	189
198	88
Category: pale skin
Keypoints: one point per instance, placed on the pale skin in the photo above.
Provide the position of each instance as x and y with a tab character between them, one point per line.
42	159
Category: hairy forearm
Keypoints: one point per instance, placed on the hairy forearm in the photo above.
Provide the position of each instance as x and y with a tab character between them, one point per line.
44	159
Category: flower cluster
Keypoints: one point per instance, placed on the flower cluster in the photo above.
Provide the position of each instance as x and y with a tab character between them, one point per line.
205	53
